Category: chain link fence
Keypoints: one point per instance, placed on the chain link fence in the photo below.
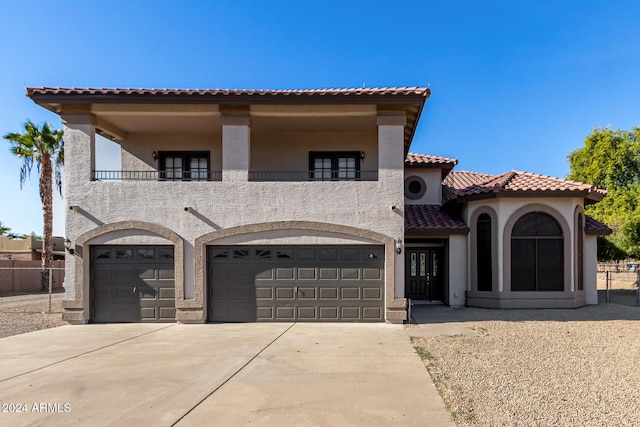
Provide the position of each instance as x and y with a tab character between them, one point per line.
31	289
618	283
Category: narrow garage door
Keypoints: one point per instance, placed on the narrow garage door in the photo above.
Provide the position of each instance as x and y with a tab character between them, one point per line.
296	283
132	284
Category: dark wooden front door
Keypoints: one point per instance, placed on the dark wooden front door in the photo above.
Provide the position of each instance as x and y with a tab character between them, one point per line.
423	274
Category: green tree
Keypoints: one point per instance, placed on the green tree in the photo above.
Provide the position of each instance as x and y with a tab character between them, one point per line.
44	147
3	229
610	159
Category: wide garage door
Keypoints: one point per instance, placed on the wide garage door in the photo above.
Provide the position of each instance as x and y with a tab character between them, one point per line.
132	284
296	283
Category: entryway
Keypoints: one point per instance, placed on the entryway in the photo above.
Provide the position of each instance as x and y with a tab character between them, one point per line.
424	274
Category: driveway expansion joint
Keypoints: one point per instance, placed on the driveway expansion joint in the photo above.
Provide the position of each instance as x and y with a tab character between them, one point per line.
85	353
233	375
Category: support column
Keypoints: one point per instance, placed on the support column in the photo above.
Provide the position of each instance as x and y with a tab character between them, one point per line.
79	164
236	136
391	193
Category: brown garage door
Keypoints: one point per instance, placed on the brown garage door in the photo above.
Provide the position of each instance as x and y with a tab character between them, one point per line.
132	284
296	283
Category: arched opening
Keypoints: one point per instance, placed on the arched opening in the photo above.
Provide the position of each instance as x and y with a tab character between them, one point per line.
537	254
483	253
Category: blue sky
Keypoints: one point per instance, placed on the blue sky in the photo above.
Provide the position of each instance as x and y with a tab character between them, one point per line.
515	85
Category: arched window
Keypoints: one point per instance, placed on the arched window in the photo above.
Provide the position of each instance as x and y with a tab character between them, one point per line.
579	252
537	254
483	230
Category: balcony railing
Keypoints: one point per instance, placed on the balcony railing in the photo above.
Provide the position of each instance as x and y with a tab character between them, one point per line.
263	176
324	175
157	176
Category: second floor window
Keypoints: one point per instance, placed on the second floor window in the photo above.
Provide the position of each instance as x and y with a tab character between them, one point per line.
184	165
334	165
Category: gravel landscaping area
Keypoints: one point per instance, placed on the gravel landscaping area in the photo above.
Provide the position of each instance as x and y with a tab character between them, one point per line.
20	323
540	367
23	313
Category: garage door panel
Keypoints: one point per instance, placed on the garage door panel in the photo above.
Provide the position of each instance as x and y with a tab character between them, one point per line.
283	293
123	294
264	293
167	314
328	274
101	274
148	313
350	293
350	313
373	313
305	293
328	313
242	293
264	313
132	284
220	273
371	274
238	272
146	273
306	283
285	274
329	293
167	294
350	274
148	294
166	274
238	311
307	313
285	313
122	274
371	293
264	274
307	274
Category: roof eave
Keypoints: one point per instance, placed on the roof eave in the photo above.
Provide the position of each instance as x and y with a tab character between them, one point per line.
597	232
431	232
149	97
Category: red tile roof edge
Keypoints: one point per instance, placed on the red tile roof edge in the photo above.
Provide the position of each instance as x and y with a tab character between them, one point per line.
62	91
432	218
417	159
490	184
593	227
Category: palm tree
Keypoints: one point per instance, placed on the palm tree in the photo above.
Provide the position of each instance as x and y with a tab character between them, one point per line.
3	229
45	147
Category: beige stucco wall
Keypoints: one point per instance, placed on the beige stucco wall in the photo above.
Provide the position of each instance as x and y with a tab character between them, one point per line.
458	270
289	151
433	180
137	150
591	269
234	202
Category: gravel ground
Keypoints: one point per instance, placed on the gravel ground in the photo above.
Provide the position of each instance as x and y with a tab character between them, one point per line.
540	367
27	313
20	323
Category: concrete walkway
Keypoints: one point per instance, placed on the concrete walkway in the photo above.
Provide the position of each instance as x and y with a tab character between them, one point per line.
216	374
438	320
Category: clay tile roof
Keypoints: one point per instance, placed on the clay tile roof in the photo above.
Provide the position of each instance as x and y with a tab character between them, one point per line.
415	159
594	227
432	219
369	91
513	183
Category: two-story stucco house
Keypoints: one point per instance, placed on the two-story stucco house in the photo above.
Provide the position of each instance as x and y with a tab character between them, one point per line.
305	205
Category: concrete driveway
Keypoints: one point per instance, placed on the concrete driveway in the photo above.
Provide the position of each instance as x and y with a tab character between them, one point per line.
216	375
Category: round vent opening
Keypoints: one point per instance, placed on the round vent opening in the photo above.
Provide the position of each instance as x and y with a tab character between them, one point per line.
414	187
